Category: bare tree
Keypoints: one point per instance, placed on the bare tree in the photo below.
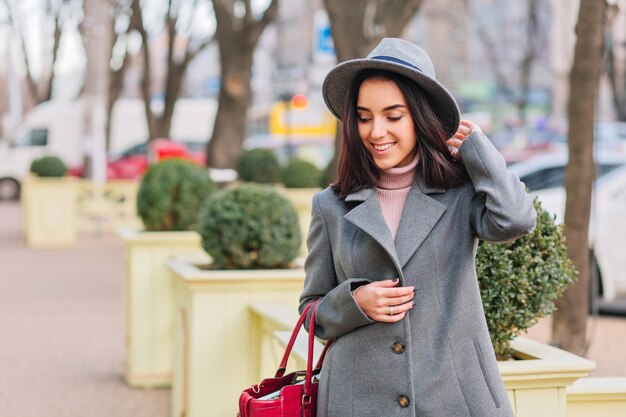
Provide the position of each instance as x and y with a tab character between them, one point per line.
570	320
119	59
504	58
238	32
615	67
358	28
178	24
59	15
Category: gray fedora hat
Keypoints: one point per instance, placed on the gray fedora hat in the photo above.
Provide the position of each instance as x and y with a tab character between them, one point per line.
402	57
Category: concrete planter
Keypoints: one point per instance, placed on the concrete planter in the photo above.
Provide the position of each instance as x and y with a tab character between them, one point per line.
149	302
49	212
592	397
217	337
537	383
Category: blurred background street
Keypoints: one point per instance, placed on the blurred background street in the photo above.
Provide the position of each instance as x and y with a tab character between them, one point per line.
62	330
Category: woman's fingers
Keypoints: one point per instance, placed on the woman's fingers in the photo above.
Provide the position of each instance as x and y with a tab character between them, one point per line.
455	142
392	314
386	283
384	301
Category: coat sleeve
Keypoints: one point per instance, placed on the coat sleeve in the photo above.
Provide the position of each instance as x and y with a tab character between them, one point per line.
501	209
338	312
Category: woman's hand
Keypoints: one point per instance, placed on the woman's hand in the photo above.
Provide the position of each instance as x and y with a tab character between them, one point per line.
466	128
383	301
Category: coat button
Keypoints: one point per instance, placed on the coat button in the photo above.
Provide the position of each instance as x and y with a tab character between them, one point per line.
403	400
397	347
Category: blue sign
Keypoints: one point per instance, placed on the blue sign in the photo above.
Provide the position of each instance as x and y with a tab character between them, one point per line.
325	40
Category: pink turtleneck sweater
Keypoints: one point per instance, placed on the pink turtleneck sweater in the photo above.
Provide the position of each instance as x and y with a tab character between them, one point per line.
392	189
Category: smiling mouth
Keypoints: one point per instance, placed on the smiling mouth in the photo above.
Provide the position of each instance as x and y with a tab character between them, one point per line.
383	147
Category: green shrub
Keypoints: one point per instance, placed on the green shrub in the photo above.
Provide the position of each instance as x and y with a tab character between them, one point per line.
258	165
519	281
250	227
300	174
48	166
171	193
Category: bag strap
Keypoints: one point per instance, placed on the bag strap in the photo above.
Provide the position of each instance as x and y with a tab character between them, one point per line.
306	396
283	363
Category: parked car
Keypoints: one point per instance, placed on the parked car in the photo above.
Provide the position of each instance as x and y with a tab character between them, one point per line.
544	176
548	170
134	161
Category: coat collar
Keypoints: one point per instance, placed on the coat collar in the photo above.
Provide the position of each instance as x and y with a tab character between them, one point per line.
420	214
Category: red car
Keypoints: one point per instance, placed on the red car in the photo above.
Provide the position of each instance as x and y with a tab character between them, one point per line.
134	161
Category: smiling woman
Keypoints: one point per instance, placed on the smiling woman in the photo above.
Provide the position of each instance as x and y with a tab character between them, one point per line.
392	245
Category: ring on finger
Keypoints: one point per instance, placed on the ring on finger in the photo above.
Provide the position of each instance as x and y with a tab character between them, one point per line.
391	311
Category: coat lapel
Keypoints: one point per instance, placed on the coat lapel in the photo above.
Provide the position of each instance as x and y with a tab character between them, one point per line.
368	217
420	214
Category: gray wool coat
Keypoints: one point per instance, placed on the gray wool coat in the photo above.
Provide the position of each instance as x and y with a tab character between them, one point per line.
438	361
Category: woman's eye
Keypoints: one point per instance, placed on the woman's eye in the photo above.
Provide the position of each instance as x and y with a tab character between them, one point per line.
363	119
394	118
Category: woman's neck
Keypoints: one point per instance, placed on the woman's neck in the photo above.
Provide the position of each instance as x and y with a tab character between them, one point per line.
398	177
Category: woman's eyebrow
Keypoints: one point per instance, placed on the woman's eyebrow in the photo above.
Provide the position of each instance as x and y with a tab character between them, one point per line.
394	106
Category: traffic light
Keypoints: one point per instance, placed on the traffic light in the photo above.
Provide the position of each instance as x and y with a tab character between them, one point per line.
299	101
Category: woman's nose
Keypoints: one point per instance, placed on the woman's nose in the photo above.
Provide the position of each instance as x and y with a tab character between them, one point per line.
378	129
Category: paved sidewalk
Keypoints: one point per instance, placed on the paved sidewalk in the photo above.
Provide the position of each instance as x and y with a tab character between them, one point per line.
62	331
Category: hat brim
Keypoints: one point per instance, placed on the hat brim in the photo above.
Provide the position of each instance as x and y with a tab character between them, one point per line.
337	83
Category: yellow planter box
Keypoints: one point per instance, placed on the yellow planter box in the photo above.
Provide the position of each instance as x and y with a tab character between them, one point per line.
49	212
149	302
217	337
597	397
107	207
536	384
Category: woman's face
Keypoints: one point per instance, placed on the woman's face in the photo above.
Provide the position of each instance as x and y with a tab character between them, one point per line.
384	123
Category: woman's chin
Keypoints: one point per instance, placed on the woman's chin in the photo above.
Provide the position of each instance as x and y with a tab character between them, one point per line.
385	164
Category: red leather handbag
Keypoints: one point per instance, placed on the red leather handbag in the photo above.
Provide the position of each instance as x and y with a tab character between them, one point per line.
287	395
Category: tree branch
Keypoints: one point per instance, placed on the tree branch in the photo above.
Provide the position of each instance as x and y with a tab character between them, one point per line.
494	61
395	15
170	22
257	27
58	31
191	54
137	22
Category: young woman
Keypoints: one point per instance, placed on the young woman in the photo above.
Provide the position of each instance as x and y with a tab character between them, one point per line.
392	245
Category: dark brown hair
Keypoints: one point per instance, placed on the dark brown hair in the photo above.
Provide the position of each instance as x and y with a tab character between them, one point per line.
356	168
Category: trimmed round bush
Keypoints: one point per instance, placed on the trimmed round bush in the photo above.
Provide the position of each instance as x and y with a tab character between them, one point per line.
520	280
249	227
300	174
258	165
48	166
171	194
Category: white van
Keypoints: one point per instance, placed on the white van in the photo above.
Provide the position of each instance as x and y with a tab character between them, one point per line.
56	128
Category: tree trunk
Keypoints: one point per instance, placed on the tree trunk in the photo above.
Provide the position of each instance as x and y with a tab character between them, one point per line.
570	319
229	131
237	38
357	30
116	79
